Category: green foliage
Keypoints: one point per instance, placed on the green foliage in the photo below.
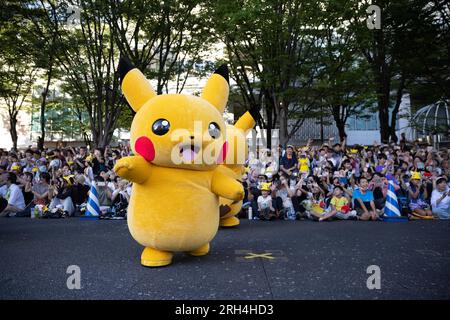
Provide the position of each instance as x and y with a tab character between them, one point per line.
294	59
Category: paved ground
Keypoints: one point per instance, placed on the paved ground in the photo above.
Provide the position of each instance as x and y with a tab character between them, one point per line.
312	261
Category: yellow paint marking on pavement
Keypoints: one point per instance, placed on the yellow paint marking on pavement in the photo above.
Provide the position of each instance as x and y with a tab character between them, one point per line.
267	255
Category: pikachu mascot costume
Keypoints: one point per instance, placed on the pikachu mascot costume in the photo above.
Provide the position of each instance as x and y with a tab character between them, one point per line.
234	163
178	142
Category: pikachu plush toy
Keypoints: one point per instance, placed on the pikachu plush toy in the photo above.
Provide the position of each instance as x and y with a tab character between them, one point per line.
179	142
234	164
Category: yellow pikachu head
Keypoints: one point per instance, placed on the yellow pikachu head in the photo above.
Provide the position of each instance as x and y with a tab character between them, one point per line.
176	130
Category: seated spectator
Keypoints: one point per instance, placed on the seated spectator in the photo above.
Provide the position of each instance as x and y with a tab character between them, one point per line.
41	190
284	194
3	188
289	163
62	192
266	210
379	187
26	183
98	162
315	203
104	193
13	196
80	190
417	192
440	199
40	193
364	201
304	163
382	164
120	194
339	206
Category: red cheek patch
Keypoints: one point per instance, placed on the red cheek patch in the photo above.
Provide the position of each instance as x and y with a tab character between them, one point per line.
223	153
144	147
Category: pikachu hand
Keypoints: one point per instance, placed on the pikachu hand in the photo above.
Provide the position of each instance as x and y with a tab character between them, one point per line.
134	168
122	167
225	186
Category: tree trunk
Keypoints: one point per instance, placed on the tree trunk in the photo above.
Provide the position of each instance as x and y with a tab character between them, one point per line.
383	117
282	116
269	129
341	129
398	101
339	119
383	84
104	139
321	126
13	131
43	103
383	92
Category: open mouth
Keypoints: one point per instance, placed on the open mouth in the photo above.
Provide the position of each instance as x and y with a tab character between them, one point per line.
188	152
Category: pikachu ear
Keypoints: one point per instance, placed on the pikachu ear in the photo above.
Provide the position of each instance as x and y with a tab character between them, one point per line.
217	88
135	86
246	122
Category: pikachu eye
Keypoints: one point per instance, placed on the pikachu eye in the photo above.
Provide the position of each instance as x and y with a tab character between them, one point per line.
214	130
160	127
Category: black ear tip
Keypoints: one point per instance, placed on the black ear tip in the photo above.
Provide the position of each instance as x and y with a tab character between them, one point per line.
223	71
124	67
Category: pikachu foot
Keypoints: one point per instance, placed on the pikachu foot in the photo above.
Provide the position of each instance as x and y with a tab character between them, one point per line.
155	258
203	250
229	222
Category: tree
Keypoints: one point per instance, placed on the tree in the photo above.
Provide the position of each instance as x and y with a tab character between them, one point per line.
42	41
393	51
17	73
88	56
273	49
168	37
345	76
16	80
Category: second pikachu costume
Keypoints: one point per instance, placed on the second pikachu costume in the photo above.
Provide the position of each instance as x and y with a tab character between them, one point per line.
234	163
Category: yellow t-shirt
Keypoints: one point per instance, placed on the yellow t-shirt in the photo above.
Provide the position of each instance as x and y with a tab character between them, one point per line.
303	164
338	203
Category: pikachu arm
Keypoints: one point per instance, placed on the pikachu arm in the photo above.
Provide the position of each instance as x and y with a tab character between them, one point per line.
246	122
134	168
226	187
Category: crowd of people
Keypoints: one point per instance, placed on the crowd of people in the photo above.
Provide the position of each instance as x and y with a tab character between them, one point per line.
58	182
317	182
331	181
